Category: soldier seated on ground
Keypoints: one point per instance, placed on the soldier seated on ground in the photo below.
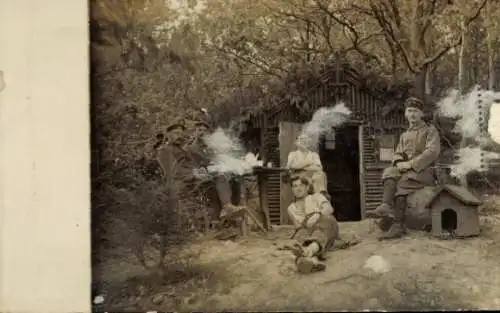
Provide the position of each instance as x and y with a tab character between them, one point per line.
314	213
412	168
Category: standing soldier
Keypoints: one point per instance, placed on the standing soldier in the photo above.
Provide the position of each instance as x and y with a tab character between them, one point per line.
412	167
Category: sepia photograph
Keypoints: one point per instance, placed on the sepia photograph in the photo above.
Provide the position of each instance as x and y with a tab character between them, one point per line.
294	155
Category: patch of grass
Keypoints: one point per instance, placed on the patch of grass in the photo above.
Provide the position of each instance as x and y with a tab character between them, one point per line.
169	287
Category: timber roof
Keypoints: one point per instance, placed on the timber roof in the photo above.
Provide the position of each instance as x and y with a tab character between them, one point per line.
253	101
457	192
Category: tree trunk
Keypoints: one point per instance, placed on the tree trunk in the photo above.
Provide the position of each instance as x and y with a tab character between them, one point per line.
428	80
307	39
490	49
491	65
461	61
475	38
420	84
418	47
462	85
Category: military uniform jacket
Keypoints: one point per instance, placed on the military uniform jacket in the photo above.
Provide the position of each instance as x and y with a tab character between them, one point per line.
419	145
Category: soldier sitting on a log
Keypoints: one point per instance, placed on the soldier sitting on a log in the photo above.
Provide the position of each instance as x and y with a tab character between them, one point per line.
313	214
412	168
306	163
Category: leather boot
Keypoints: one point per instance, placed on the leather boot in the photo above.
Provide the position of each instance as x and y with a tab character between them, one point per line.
385	209
307	265
397	229
385	223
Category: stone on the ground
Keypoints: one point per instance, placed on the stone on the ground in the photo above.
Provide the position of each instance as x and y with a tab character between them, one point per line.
230	243
377	264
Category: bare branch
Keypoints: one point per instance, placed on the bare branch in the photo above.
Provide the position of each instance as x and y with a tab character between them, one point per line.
442	52
311	50
386	14
326	30
457	41
429	16
253	62
393	38
355	39
392	7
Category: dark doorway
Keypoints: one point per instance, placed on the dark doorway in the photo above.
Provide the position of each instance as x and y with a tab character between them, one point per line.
339	153
449	220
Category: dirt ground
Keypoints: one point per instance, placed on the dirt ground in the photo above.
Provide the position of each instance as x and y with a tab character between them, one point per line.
250	274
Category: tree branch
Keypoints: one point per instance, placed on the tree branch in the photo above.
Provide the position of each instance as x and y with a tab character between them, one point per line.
457	41
355	39
256	64
392	7
327	30
391	35
429	17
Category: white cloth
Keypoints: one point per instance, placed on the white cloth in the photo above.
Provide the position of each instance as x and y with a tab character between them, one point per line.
305	160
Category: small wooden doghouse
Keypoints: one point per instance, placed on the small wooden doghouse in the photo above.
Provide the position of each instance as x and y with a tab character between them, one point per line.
454	210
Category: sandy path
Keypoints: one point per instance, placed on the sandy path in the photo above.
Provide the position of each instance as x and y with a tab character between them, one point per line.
423	273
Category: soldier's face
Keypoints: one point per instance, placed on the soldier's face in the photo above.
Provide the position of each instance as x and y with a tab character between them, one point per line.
413	115
299	188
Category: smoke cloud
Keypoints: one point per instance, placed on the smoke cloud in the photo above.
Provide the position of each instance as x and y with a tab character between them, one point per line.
323	120
494	122
228	155
469	111
471	159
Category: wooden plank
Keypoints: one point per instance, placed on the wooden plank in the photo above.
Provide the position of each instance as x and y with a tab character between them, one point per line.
262	177
361	171
287	133
273	178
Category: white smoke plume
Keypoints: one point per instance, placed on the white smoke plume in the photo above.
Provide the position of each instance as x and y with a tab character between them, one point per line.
323	120
468	109
471	159
494	122
228	155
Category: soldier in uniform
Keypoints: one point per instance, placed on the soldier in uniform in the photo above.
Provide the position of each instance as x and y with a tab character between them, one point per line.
412	168
190	151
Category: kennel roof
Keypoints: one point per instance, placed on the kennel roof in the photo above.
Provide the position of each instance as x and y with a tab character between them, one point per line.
458	192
